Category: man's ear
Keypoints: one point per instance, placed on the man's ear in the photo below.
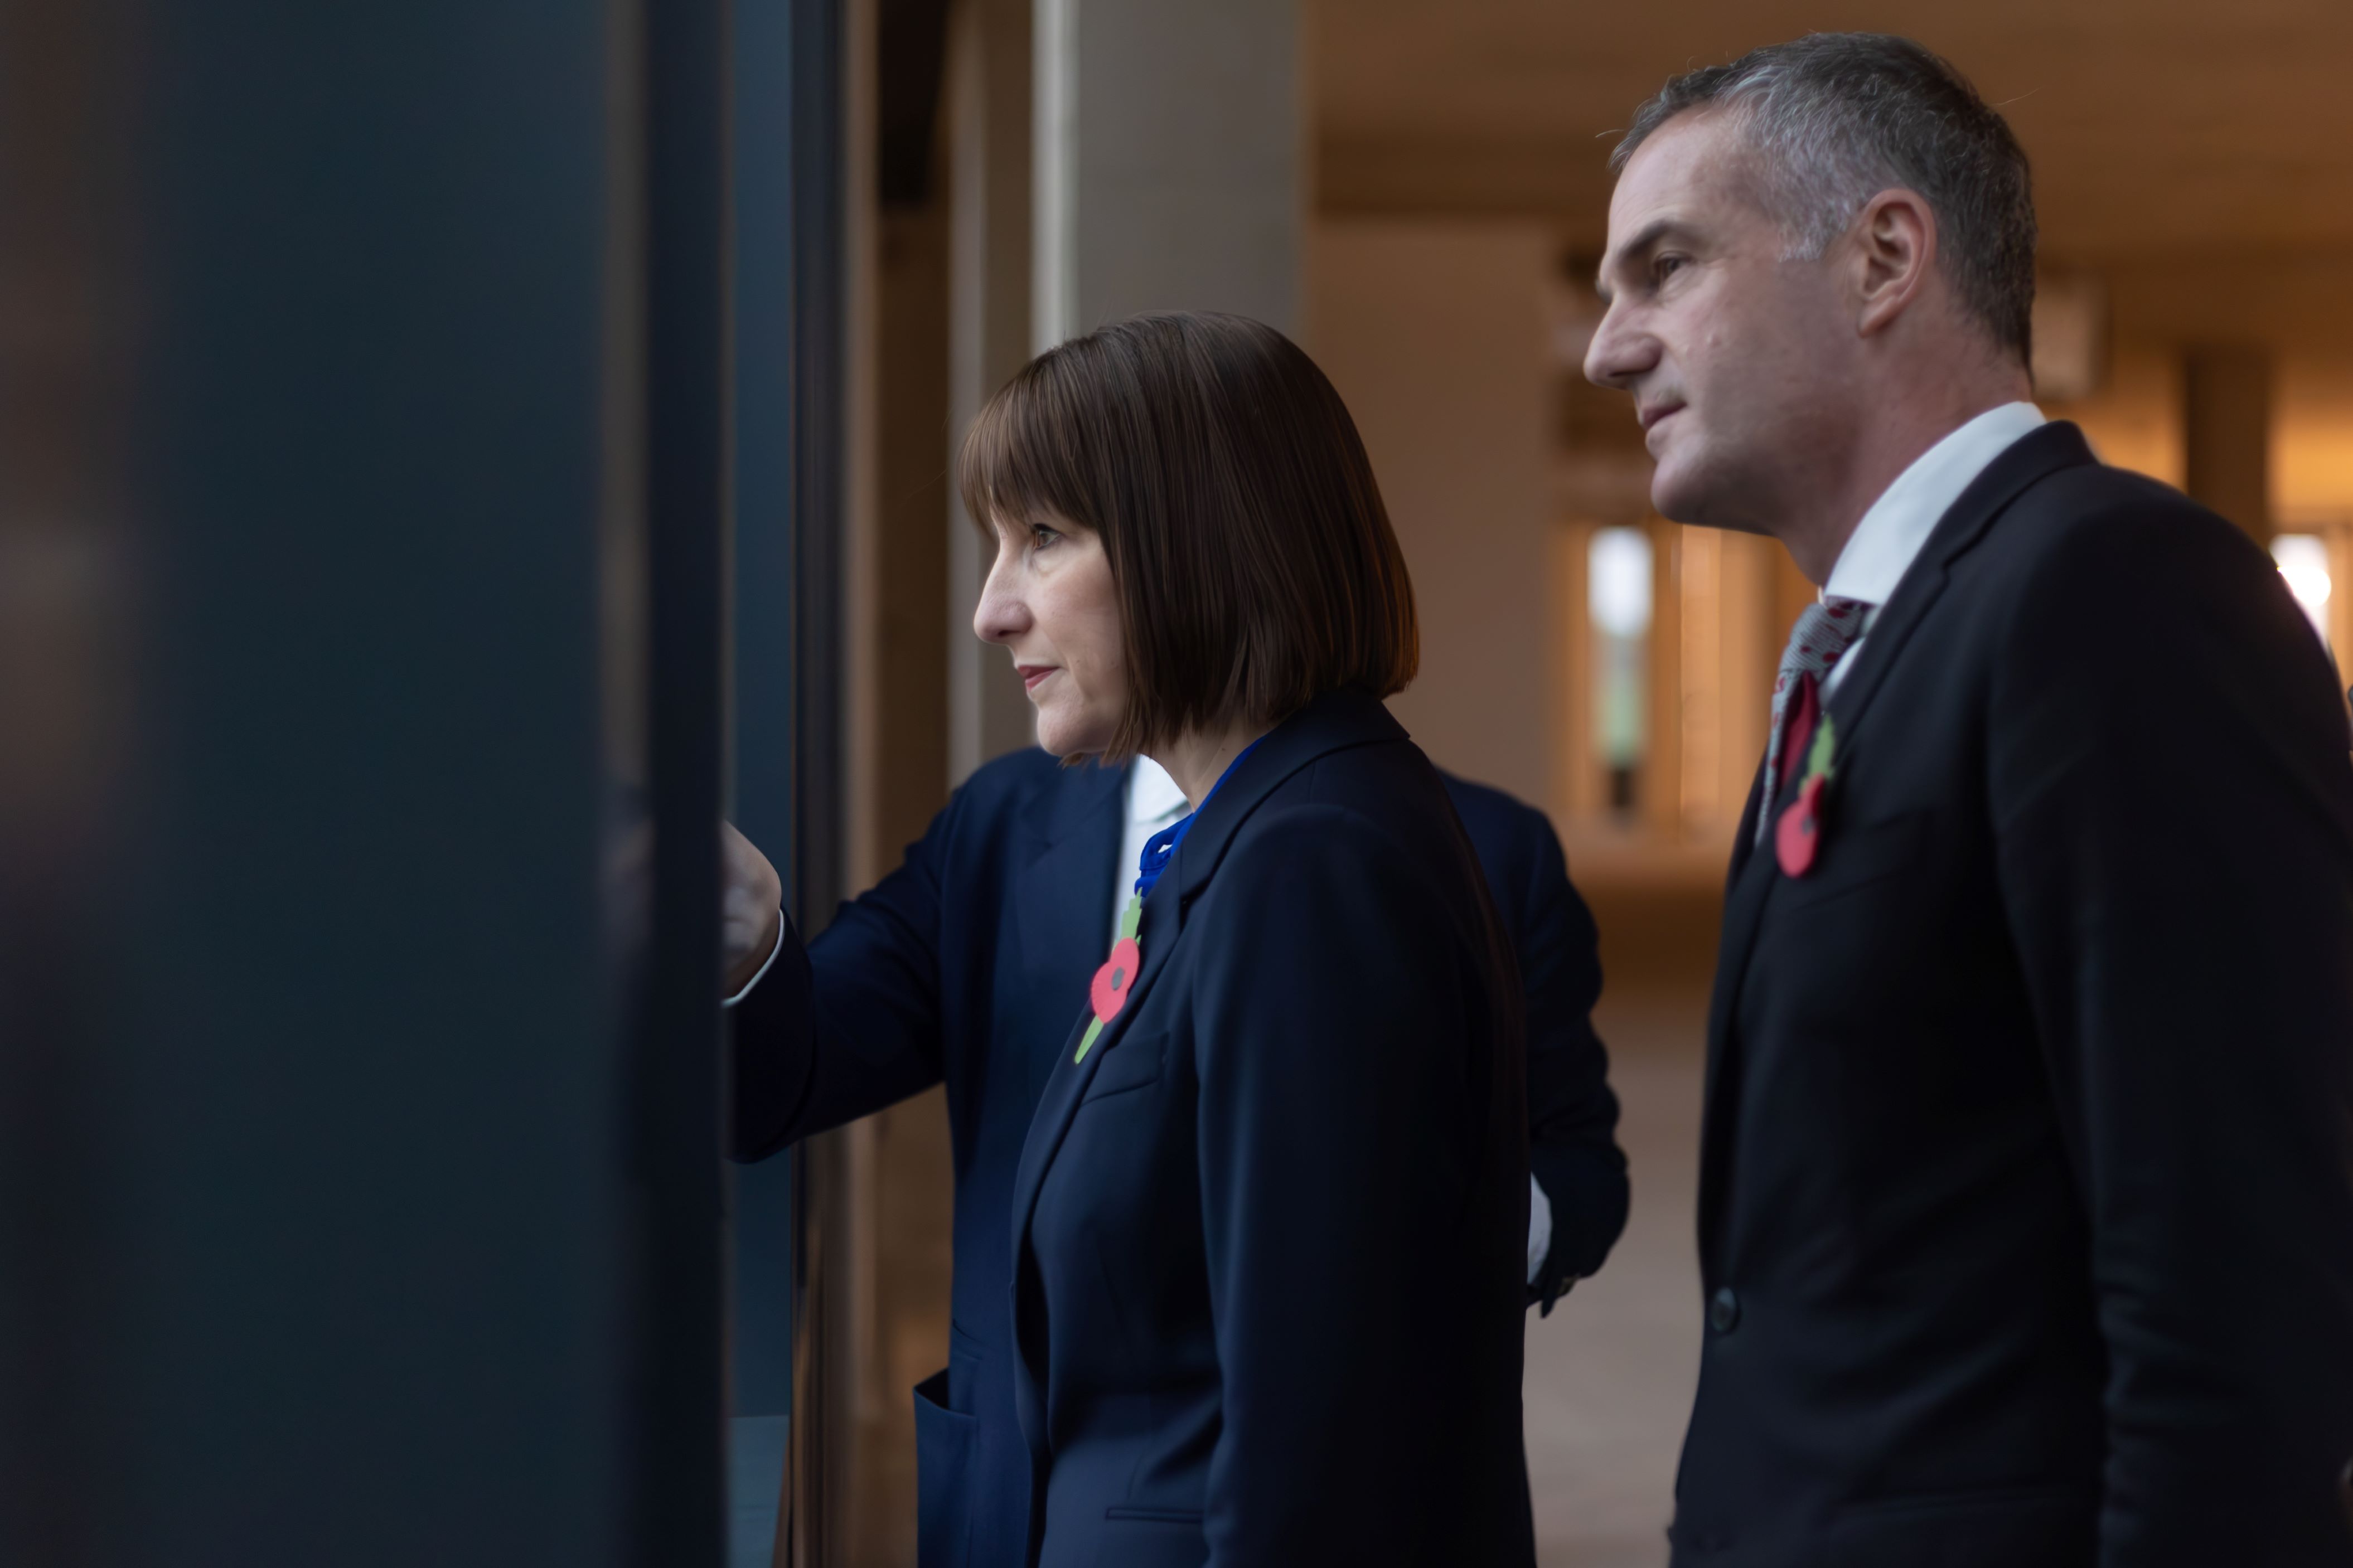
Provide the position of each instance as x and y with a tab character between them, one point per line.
1896	241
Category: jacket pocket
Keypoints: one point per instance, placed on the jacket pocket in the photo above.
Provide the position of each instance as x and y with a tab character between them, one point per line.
943	1445
2032	1525
1855	857
1157	1515
1134	1063
1151	1538
1994	1497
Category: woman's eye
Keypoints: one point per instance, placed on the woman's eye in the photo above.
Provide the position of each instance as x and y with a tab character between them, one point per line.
1041	536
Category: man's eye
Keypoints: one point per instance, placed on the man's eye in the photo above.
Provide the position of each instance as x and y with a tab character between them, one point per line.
1666	265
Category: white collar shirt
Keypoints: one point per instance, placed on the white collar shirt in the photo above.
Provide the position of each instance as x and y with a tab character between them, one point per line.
1892	532
1154	802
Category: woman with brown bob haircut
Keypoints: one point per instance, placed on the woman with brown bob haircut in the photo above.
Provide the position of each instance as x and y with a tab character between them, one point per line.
1270	1221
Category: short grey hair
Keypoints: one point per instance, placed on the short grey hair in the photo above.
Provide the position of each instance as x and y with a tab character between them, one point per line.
1839	117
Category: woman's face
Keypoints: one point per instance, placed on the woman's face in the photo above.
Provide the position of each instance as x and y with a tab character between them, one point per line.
1051	601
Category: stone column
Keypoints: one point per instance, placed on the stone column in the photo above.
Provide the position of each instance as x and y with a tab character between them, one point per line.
1170	155
988	117
2226	428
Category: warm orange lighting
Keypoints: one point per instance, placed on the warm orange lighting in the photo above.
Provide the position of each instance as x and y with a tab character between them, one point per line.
1701	558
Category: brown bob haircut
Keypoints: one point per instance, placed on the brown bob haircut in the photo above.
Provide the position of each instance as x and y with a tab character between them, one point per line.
1254	562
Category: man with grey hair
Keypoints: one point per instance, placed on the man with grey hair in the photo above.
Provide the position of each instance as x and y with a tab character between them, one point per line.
2026	1210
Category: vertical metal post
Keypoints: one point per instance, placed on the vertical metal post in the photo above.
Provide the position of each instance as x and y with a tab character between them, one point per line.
764	667
818	433
822	1389
679	1414
787	666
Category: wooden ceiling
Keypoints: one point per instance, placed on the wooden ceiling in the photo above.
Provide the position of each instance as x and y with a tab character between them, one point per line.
2169	128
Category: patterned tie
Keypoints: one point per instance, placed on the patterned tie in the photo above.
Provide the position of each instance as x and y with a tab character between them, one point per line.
1817	643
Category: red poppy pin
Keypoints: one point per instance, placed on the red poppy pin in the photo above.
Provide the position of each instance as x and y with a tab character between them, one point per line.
1109	992
1798	836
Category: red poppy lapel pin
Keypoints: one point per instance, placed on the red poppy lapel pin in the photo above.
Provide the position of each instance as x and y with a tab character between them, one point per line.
1116	978
1798	837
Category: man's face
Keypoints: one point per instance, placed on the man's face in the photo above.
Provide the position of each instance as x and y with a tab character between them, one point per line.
1739	360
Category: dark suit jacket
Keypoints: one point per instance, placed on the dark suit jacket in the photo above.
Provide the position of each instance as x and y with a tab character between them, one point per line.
969	963
1572	1114
1269	1233
2026	1209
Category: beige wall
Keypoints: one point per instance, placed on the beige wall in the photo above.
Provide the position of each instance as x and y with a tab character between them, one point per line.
1434	334
2299	307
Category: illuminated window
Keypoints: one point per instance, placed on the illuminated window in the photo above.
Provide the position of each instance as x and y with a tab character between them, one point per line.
2303	560
1618	579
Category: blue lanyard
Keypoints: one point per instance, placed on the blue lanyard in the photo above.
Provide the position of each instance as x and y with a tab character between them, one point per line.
1160	848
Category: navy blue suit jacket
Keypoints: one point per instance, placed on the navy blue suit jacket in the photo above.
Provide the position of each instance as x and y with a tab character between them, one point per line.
968	963
2026	1200
1270	1228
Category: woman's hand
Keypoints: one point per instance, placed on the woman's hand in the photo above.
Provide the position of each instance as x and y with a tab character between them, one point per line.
751	911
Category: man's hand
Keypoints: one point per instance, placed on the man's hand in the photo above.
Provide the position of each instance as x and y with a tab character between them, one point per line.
750	910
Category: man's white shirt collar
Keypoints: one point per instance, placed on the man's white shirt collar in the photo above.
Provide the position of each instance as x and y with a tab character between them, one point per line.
1891	534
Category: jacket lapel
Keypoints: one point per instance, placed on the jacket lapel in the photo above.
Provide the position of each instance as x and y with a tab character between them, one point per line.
1333	722
2035	455
1752	872
1061	901
1067	1080
1755	868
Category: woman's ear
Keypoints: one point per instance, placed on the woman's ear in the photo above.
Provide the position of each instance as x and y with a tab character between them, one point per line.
1895	241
